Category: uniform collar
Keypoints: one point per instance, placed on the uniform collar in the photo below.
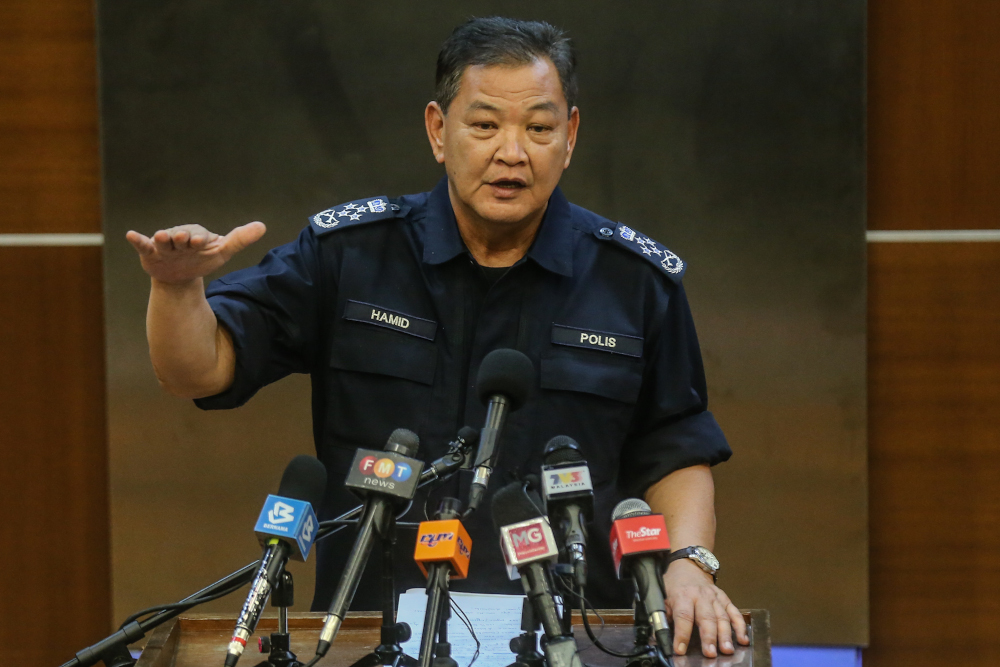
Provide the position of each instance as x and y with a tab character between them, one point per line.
552	248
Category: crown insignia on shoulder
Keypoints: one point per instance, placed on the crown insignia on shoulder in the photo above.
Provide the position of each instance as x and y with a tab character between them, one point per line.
354	213
642	245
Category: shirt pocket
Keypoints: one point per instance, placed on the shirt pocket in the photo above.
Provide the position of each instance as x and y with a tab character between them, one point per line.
589	372
368	349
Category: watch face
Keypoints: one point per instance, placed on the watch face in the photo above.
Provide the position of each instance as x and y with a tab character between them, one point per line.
707	557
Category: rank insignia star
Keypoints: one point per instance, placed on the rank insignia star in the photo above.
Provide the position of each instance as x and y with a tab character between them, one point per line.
644	246
357	212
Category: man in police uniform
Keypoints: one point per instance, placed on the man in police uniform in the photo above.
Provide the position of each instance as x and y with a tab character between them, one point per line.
391	305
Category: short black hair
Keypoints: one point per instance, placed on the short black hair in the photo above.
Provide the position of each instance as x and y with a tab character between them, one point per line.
506	42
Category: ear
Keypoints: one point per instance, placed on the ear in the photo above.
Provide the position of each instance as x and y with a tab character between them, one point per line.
434	122
572	127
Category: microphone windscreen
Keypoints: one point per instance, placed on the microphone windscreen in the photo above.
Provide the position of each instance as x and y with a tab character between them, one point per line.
512	505
630	507
469	436
562	449
403	441
506	372
304	479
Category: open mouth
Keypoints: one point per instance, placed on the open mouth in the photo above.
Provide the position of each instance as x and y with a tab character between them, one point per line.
509	184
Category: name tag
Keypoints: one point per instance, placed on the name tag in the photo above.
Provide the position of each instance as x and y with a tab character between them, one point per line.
605	341
356	311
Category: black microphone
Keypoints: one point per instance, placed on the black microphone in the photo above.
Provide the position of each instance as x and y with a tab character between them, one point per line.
528	545
385	479
639	544
287	528
503	383
569	500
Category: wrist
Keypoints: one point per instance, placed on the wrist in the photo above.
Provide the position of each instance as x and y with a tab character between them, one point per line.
178	288
687	568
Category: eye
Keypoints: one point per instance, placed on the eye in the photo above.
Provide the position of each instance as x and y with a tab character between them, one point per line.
484	125
538	129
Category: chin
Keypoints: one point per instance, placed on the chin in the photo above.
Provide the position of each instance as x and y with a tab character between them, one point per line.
505	212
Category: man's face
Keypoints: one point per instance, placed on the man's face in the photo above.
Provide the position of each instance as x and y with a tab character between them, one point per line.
505	141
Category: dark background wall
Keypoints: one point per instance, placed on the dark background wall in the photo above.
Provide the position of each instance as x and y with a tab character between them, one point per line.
732	133
934	98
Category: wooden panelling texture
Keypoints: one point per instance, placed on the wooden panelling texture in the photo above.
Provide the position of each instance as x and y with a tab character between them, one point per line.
55	583
933	110
934	453
48	117
934	334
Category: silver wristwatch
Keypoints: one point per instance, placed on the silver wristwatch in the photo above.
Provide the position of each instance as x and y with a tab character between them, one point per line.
701	556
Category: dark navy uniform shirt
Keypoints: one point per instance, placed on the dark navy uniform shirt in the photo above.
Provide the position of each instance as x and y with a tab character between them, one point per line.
382	304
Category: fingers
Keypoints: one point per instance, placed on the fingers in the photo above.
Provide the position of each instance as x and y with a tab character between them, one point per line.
739	624
708	627
241	237
683	613
142	244
725	631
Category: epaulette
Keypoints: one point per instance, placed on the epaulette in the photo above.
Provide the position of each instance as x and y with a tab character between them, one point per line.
672	265
354	213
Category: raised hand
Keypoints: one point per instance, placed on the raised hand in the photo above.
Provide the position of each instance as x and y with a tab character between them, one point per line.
187	252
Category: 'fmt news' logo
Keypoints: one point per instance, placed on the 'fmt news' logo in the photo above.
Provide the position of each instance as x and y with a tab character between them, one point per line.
385	468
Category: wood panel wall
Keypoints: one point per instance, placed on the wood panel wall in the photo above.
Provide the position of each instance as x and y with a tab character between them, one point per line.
934	334
55	582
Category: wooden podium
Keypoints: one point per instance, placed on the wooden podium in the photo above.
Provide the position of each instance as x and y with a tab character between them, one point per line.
200	640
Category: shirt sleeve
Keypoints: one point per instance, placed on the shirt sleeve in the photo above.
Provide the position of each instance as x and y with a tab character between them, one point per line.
672	427
272	311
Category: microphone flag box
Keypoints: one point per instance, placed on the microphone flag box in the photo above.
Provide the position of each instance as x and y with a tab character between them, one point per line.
566	480
384	472
292	521
637	535
527	542
444	542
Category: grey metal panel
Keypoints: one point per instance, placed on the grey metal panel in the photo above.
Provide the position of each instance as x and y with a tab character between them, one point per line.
731	132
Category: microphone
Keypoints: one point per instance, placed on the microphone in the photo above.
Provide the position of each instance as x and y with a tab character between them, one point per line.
528	545
504	380
569	499
639	543
385	480
286	529
442	553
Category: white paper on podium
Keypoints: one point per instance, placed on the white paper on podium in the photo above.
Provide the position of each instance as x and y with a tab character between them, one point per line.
496	620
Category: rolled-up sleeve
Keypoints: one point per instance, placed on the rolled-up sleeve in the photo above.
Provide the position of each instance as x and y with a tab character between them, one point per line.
273	312
672	427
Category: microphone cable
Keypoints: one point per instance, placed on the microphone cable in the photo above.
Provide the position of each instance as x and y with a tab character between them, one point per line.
568	588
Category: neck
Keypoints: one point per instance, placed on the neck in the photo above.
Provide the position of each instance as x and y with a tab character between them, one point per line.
495	244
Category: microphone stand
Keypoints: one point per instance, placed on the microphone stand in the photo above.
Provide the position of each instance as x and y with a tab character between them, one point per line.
389	652
438	610
645	654
278	645
524	644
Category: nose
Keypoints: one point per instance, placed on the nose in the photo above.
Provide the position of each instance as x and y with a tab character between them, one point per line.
511	149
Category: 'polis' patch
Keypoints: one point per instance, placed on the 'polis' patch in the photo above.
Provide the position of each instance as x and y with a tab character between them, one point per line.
367	313
603	341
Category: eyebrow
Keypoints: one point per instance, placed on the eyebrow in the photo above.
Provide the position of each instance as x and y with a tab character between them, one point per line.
540	106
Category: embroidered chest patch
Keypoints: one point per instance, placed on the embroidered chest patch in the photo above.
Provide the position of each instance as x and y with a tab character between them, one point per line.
367	313
602	341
